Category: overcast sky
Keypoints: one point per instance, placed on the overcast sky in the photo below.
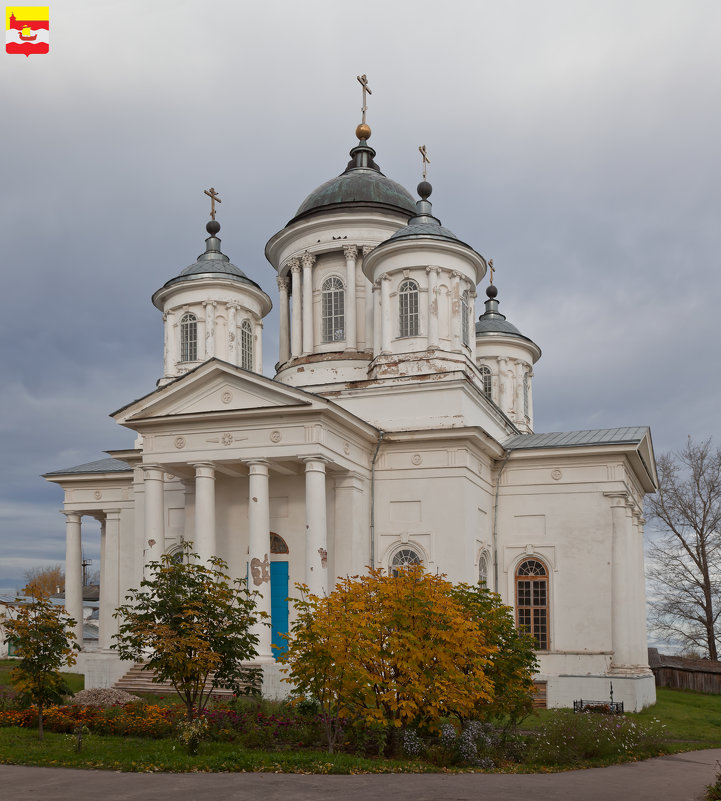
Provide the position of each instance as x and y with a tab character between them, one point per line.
575	143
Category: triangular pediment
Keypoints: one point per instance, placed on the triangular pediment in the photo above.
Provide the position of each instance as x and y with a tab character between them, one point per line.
214	387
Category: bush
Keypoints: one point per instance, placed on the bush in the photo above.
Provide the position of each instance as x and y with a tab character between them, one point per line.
569	738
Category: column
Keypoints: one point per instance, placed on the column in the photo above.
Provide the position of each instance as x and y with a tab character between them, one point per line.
232	332
154	540
377	319
109	577
209	329
74	573
316	535
308	260
284	338
166	344
204	544
433	306
456	310
368	285
641	657
472	295
621	621
518	375
259	551
258	347
351	333
296	344
385	313
529	376
350	540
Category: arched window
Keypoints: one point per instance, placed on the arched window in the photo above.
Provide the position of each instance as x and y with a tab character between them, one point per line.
246	345
408	322
277	544
189	338
403	558
465	327
485	372
333	309
532	601
484	565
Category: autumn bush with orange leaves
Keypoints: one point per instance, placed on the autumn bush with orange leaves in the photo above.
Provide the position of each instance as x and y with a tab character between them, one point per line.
392	652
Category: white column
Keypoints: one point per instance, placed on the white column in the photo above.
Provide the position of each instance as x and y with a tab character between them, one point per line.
377	319
209	329
259	551
456	310
296	343
432	306
621	619
529	377
154	539
368	286
204	511
641	657
316	535
166	344
232	333
258	346
386	321
109	577
472	295
74	573
284	338
307	259
349	546
518	378
351	333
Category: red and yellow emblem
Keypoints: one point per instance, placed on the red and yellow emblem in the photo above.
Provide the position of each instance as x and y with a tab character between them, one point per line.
27	29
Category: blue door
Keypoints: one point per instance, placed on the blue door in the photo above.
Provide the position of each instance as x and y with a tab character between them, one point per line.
279	605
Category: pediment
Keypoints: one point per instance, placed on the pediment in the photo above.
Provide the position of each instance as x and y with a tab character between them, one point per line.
213	387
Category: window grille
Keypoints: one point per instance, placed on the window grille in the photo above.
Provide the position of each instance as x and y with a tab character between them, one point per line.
404	558
532	601
189	338
246	345
485	379
333	309
483	568
408	318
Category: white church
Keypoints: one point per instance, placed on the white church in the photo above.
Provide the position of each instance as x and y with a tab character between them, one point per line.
397	429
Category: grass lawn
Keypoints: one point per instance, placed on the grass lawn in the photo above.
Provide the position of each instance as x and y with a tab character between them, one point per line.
76	681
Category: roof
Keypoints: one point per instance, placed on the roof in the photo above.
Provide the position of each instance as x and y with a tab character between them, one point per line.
569	439
656	660
361	182
100	466
493	323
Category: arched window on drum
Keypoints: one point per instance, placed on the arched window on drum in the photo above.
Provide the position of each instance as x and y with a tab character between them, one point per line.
532	601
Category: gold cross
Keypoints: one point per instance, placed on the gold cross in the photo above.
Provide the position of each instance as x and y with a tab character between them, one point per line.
213	195
363	81
490	265
426	160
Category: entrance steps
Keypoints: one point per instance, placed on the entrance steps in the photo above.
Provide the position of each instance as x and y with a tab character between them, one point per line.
138	680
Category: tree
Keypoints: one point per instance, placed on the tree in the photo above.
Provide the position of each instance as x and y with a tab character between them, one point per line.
685	559
389	650
42	582
44	640
513	662
191	624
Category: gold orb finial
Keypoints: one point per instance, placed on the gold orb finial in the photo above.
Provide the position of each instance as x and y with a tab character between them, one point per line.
363	131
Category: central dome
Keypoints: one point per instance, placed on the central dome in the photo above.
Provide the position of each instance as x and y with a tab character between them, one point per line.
361	183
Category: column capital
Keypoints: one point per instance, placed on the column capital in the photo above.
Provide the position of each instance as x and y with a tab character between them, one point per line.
308	260
150	469
367	249
282	283
315	463
294	265
384	277
206	469
350	252
258	467
112	514
210	303
71	517
432	269
618	499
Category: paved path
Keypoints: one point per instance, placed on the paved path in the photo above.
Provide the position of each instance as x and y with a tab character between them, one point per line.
682	777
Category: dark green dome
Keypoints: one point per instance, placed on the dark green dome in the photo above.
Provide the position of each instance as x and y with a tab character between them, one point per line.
361	183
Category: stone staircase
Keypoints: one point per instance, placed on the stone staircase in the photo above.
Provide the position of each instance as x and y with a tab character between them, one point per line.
137	680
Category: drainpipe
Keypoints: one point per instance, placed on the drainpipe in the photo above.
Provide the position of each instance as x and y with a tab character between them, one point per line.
373	501
494	534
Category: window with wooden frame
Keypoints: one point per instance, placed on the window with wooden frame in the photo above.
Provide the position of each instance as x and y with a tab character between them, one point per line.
404	558
246	345
532	601
188	338
333	309
408	315
485	372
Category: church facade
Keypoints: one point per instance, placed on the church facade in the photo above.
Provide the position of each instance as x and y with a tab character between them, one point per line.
397	429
